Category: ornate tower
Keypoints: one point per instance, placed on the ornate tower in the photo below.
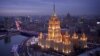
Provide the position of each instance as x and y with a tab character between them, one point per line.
83	40
40	35
54	30
75	40
67	42
41	41
40	38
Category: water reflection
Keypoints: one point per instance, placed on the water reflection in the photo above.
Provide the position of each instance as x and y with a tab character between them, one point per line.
7	39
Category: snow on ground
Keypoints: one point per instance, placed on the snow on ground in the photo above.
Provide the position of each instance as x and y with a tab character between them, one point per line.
31	41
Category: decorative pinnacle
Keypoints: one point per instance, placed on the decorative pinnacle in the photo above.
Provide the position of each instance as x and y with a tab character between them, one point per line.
54	13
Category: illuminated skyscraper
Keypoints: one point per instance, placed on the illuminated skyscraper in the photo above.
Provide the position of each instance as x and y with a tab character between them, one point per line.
54	30
56	41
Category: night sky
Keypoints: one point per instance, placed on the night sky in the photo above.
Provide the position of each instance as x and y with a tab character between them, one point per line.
44	7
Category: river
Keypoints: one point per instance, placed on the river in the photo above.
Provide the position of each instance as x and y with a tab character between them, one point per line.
7	42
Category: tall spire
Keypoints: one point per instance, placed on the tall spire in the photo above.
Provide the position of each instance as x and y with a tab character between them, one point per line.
54	13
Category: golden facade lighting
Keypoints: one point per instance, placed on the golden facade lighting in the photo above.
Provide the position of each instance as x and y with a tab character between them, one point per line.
75	36
57	41
84	40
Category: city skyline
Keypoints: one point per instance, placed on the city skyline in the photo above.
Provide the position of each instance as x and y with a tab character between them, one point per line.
44	7
49	28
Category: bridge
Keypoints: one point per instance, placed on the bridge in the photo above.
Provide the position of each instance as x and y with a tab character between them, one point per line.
25	32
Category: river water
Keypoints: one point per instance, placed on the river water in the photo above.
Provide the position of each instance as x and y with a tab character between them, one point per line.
7	42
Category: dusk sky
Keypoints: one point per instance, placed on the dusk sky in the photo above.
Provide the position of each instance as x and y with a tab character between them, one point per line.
44	7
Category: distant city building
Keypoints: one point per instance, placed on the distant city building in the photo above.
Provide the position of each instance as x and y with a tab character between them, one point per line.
26	20
67	21
18	24
8	22
30	19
